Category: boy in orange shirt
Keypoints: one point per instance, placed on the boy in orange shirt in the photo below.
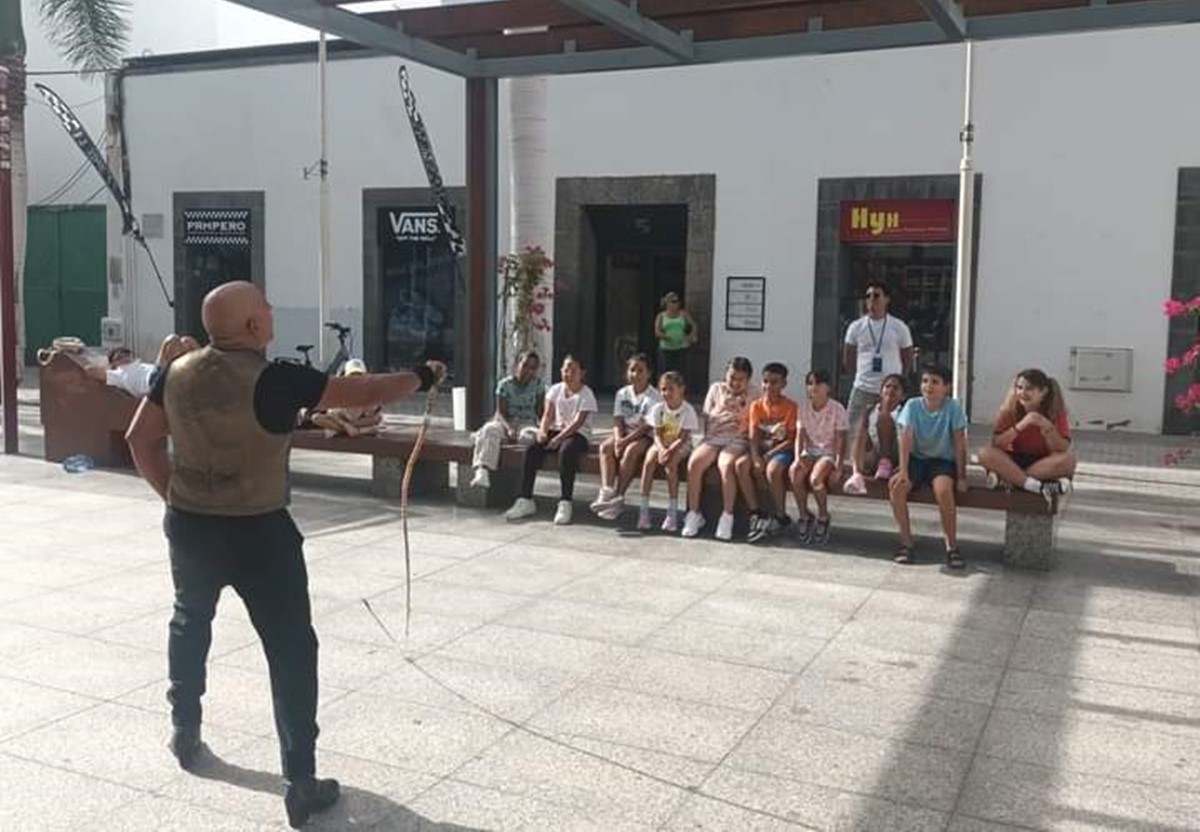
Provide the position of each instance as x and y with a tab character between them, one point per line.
773	419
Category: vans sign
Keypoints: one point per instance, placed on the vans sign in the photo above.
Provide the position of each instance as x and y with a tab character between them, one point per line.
414	226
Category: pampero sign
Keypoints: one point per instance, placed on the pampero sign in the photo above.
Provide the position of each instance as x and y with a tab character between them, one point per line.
414	225
216	227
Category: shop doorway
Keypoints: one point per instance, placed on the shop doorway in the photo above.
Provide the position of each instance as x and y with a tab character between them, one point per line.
640	256
921	280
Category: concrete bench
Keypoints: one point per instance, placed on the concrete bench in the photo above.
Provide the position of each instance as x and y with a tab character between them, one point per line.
1029	529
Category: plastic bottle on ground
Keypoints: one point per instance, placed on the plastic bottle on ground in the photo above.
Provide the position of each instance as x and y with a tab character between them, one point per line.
78	464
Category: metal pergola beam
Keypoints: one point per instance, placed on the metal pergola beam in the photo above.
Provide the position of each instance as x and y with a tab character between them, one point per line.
1099	15
626	20
368	33
947	15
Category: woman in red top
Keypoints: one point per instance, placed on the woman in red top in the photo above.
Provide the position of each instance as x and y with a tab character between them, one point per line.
1031	443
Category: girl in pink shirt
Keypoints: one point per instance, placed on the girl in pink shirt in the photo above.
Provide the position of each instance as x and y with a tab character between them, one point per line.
820	450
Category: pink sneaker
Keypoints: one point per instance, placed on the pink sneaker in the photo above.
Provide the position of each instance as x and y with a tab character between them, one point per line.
884	470
855	485
670	523
643	524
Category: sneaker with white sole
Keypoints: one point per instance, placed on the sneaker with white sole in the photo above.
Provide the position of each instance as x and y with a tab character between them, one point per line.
564	512
482	478
612	512
804	529
758	528
884	469
643	523
857	484
820	533
992	481
670	523
693	523
603	499
725	526
522	508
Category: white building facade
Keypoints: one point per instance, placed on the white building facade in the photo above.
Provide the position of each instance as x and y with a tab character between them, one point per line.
1085	150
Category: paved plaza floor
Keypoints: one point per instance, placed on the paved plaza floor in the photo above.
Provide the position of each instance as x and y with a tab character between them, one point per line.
575	678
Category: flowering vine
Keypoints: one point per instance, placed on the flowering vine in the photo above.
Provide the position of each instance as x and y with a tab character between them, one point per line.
526	295
1189	400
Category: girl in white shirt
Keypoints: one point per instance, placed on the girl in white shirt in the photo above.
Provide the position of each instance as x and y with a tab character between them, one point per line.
622	453
673	422
566	430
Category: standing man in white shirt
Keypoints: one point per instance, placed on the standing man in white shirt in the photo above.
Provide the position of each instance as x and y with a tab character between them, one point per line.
877	345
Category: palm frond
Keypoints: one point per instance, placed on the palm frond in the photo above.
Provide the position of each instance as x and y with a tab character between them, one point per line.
91	34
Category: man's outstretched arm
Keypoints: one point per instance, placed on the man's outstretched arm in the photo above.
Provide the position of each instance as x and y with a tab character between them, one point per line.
364	391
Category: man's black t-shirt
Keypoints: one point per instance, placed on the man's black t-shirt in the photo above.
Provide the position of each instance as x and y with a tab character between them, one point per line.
282	390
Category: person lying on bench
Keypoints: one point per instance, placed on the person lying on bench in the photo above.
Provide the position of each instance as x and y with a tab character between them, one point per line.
341	421
136	377
933	451
519	401
566	430
1031	442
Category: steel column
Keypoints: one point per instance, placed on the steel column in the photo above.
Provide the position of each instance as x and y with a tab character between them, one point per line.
8	285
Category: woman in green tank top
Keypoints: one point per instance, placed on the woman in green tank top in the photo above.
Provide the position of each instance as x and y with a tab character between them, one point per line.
676	333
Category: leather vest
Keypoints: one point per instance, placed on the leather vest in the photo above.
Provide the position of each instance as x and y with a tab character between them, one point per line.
223	462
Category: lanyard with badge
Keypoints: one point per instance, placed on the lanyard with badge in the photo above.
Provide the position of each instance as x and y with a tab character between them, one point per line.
877	344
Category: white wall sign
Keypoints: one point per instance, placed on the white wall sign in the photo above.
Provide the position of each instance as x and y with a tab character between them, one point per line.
745	303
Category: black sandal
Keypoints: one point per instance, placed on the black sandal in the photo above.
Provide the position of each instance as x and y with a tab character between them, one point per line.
903	555
954	559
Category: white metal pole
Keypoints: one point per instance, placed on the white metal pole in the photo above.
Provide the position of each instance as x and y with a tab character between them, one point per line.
966	241
323	309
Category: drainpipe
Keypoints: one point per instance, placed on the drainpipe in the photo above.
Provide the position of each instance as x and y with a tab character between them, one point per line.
323	307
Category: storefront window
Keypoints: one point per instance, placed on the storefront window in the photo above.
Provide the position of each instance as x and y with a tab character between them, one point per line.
419	299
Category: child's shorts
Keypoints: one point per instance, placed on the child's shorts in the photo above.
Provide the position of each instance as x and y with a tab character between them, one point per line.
816	455
784	458
922	472
736	445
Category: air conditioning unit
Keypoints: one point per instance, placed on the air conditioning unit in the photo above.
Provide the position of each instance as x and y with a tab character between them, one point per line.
112	332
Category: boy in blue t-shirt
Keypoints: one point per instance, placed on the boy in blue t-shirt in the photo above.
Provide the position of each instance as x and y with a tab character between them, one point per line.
933	451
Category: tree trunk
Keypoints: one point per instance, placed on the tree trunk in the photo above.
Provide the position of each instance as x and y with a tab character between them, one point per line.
531	194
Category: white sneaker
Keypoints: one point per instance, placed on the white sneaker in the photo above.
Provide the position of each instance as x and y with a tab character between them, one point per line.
612	512
692	524
725	526
603	499
562	516
482	478
522	508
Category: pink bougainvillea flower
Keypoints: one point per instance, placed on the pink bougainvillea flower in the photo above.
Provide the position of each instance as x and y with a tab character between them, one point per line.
1174	308
1169	459
1172	365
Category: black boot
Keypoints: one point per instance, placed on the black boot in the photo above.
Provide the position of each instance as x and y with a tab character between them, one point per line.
308	795
185	745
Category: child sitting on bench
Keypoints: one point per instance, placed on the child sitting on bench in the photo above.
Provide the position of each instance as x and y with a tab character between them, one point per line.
933	452
1031	441
519	401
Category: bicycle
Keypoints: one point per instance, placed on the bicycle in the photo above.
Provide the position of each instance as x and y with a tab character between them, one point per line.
334	367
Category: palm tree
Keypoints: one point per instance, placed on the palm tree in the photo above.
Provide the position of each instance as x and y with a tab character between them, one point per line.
91	35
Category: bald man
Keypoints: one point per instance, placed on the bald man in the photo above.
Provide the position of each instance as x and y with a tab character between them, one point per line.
229	413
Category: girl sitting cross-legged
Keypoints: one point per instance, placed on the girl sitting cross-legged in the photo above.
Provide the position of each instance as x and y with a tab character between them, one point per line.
875	448
1031	442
